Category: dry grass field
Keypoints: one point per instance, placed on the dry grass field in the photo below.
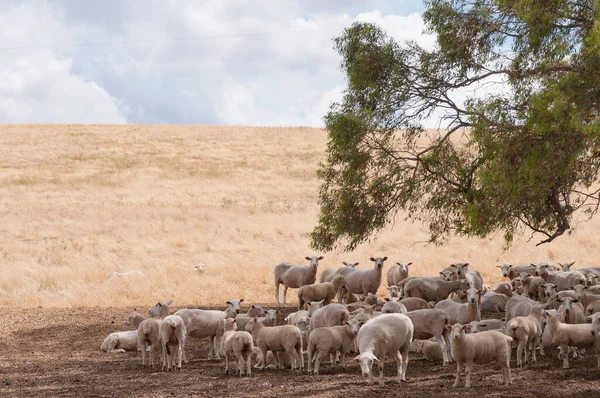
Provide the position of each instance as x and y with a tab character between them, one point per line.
79	202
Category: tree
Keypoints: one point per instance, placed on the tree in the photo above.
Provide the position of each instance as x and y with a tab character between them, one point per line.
525	157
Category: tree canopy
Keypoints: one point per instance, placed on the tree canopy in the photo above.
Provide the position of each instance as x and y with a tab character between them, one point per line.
521	155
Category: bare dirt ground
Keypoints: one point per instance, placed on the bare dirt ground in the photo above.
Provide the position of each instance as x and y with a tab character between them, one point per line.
55	353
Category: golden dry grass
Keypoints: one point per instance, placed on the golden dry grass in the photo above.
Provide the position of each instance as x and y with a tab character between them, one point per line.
79	202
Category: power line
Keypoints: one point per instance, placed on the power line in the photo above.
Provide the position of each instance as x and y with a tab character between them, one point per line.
102	43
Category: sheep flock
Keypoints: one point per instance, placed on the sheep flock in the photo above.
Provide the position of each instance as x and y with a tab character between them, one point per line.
541	309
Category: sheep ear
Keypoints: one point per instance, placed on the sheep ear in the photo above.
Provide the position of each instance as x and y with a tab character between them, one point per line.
372	259
345	263
387	299
466	265
320	258
385	258
307	258
449	327
588	318
398	263
346	323
241	300
357	358
277	312
576	300
170	302
466	327
441	273
228	302
375	358
571	263
497	266
409	264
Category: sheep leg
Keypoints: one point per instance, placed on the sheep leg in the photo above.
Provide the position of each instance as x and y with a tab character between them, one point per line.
520	349
446	336
291	351
459	370
299	354
442	343
164	357
506	370
264	357
310	359
343	358
217	342
320	356
534	344
404	352
285	288
381	363
179	353
469	367
277	294
211	344
226	362
399	365
143	349
564	350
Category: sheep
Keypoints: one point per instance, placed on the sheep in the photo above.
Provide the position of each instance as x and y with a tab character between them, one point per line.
592	308
125	275
565	335
414	303
566	267
292	317
397	273
313	306
325	291
255	310
172	333
370	300
593	271
330	315
546	291
479	348
350	298
134	319
200	267
394	291
286	338
591	279
429	348
269	318
504	288
463	313
328	273
331	340
303	323
518	306
201	324
449	274
429	323
392	306
571	310
511	272
527	331
387	334
433	289
160	309
362	281
148	335
295	276
531	285
562	280
487	324
494	302
587	298
462	272
239	344
119	342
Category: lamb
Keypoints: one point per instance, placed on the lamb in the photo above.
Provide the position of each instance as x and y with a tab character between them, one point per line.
238	344
125	275
431	323
433	289
474	277
148	336
494	302
387	334
325	291
134	319
392	306
394	291
429	348
328	273
562	280
397	273
479	348
414	303
565	335
119	342
463	313
330	315
172	334
570	311
201	324
527	331
331	340
286	338
362	281
295	276
487	324
160	309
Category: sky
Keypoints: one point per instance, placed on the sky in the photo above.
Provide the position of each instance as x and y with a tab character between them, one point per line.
221	62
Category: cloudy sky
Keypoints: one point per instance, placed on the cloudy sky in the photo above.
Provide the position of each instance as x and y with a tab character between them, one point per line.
221	62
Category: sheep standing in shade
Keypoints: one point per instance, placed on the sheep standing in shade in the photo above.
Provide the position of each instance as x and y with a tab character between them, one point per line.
397	273
295	276
362	281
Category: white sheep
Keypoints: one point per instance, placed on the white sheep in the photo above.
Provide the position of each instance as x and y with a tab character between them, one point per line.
325	291
363	281
238	344
160	309
119	342
286	338
479	348
571	310
393	306
387	334
331	341
200	267
527	331
328	273
172	335
330	315
134	319
431	323
512	272
565	335
562	280
397	273
463	272
592	308
148	336
125	275
463	312
433	289
414	303
295	276
492	301
487	324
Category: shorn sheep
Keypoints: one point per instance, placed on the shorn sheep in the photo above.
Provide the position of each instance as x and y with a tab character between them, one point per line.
363	281
330	341
325	291
565	335
328	273
295	276
527	331
286	338
479	348
387	334
148	336
397	273
119	342
172	335
238	344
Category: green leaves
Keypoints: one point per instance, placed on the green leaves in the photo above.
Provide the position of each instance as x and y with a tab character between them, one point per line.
524	157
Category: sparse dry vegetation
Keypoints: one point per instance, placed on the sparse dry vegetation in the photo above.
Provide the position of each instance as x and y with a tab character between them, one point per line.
79	202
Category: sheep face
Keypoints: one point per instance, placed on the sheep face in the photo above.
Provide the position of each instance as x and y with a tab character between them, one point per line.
403	267
505	268
366	362
448	275
302	323
590	279
378	262
541	269
566	303
473	295
314	260
549	289
595	324
158	309
457	331
351	265
234	305
461	268
394	291
230	324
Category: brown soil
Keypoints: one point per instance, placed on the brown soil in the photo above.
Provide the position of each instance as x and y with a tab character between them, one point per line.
55	352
